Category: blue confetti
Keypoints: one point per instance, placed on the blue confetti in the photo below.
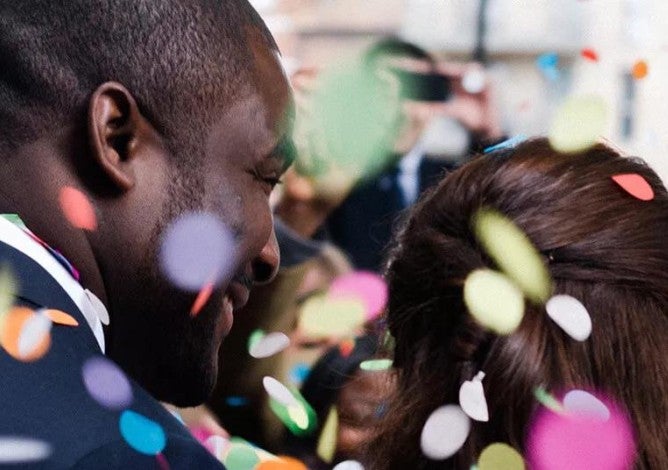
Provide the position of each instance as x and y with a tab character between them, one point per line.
235	401
299	372
548	64
506	144
142	434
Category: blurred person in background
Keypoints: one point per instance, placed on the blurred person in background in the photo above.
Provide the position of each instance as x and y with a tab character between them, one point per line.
600	245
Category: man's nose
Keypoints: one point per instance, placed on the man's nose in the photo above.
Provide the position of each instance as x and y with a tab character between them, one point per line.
265	266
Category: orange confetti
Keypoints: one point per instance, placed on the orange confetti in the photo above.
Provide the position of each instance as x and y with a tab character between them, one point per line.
346	347
61	318
14	322
640	70
635	185
201	299
589	54
77	208
283	463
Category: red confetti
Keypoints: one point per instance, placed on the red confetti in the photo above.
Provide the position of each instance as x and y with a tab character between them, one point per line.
77	208
589	54
346	347
163	464
640	70
201	299
635	185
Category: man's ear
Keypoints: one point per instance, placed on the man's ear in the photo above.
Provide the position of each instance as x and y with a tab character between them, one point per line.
115	126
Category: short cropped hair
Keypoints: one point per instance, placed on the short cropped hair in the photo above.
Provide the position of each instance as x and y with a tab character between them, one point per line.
181	60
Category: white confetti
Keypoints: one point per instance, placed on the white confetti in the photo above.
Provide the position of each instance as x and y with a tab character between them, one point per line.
571	316
98	307
445	432
269	345
584	404
279	392
17	450
349	465
474	81
472	398
35	329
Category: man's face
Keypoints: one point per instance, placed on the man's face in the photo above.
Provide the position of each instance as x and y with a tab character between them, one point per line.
152	334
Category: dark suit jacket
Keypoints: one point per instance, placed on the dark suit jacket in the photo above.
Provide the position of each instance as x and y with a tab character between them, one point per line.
364	223
47	399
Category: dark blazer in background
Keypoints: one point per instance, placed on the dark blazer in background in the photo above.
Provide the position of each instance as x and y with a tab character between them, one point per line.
47	399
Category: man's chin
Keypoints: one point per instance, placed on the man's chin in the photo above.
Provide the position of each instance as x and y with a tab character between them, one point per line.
184	391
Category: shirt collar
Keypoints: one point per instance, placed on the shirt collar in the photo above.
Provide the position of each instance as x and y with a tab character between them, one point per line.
15	234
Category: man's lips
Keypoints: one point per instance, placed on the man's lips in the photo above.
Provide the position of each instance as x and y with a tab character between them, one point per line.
238	293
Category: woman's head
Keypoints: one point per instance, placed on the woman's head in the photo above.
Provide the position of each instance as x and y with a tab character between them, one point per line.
601	246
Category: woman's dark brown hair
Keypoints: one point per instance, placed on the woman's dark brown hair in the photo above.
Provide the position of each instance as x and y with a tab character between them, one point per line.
601	245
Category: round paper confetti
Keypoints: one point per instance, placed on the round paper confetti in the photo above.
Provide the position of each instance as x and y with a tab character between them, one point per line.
581	403
514	253
635	185
500	456
571	316
376	364
299	372
60	318
323	317
547	400
77	208
565	441
326	447
346	347
494	301
99	308
21	450
241	457
445	432
269	345
349	465
25	336
472	399
300	419
367	287
278	391
474	81
217	445
589	54
163	464
578	123
142	434
106	383
298	415
8	288
640	70
283	462
235	401
201	299
548	64
197	250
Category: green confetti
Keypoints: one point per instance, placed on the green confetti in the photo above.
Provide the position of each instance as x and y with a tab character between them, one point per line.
376	364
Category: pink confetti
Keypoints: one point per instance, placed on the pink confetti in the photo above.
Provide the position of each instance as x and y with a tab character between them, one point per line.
366	286
635	185
580	442
77	208
201	299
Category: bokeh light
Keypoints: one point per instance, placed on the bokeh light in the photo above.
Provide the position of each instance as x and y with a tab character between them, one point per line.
77	208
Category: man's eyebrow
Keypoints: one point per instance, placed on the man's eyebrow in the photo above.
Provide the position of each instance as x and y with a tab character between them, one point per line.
285	150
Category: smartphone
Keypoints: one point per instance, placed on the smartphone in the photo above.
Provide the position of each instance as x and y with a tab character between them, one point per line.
423	86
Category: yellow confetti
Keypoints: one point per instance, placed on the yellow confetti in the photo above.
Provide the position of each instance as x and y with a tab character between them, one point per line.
578	124
500	456
328	437
494	301
514	253
323	317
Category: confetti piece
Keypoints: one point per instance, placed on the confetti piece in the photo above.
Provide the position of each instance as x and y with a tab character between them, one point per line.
278	391
269	345
298	415
346	347
472	399
500	456
142	434
8	289
578	123
163	464
367	287
547	400
444	432
571	316
300	419
77	208
106	383
640	70
21	450
197	249
282	463
494	301
589	54
506	144
635	185
374	365
98	308
15	342
548	64
35	331
201	299
322	317
217	445
564	441
254	338
326	447
581	403
241	457
299	372
349	465
474	81
514	253
60	318
235	401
